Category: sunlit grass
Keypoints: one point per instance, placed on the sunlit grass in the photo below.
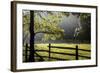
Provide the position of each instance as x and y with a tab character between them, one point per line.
69	57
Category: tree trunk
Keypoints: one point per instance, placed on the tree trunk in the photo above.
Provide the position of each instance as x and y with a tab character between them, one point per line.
31	56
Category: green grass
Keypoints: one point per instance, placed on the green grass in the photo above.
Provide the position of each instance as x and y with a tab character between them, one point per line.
69	57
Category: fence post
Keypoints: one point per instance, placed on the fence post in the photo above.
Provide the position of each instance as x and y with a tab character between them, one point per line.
76	52
49	51
26	54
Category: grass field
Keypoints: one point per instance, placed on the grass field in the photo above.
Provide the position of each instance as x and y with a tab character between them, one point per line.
69	57
59	50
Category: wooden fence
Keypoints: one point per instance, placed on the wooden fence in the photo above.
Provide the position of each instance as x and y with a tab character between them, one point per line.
76	49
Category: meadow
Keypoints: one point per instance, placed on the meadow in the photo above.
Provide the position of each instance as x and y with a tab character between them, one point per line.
45	53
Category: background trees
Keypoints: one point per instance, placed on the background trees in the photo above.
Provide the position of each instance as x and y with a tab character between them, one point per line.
85	33
48	26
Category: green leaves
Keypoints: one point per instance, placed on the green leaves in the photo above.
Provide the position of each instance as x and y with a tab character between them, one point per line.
84	16
85	19
47	21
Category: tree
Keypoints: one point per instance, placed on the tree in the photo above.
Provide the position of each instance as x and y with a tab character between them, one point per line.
47	22
85	33
32	51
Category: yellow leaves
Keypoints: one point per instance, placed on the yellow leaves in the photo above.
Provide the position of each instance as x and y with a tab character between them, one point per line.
46	21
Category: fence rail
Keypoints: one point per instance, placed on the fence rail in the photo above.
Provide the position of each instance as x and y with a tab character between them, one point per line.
76	54
69	48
